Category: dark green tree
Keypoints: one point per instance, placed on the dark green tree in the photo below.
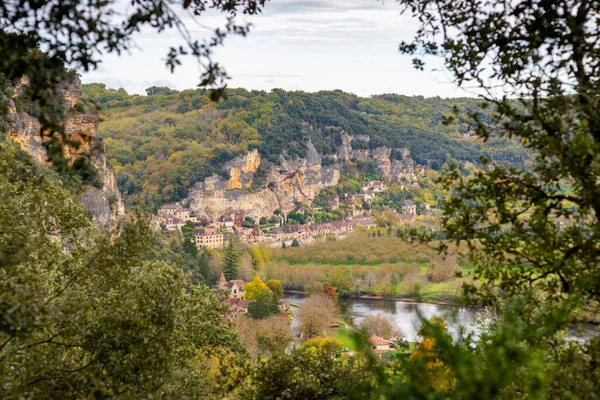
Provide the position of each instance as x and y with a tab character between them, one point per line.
532	232
203	268
264	306
231	261
85	313
187	230
295	243
190	248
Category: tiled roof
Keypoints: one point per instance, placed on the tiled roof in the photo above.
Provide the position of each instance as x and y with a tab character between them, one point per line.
377	341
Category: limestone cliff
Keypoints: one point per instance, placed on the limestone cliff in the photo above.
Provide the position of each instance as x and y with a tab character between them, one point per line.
103	204
401	171
279	187
258	187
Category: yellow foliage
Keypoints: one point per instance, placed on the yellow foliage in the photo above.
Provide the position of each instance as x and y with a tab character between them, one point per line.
255	289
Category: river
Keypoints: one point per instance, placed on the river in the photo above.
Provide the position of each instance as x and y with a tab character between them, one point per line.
404	314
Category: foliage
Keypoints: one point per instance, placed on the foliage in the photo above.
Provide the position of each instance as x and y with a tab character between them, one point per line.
231	261
313	288
160	161
264	307
256	289
78	33
89	314
276	288
330	292
532	242
328	344
381	326
264	337
316	315
304	374
257	259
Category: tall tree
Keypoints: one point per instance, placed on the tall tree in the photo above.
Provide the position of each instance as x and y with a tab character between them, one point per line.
203	266
316	315
531	232
276	288
231	261
381	326
87	314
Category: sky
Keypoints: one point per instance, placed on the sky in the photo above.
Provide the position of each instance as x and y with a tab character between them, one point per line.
307	45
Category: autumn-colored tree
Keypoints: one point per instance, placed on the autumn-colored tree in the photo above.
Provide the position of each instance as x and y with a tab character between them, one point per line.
313	288
255	289
330	292
263	337
442	268
382	326
257	258
327	344
434	373
316	315
276	288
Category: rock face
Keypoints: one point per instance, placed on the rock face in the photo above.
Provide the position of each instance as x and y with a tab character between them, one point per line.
279	187
258	187
104	205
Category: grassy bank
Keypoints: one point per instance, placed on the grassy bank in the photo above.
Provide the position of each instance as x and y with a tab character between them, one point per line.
385	267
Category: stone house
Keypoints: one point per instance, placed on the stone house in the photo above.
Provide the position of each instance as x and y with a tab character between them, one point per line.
277	234
377	186
237	307
367	222
257	236
169	209
235	286
409	207
208	237
173	223
183	213
333	202
226	222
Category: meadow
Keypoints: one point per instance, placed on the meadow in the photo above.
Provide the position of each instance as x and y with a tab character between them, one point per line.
377	266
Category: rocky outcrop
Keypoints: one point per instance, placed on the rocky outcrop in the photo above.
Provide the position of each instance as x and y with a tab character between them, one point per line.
104	204
293	180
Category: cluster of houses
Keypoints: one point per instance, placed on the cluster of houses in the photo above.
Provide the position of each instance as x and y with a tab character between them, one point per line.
209	232
233	290
213	233
303	232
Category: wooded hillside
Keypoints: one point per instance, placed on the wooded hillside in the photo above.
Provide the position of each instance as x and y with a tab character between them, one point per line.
164	142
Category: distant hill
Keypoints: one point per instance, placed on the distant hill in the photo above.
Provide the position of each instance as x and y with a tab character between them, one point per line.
163	143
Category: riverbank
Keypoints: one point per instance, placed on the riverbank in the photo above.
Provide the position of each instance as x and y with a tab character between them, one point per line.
406	300
407	316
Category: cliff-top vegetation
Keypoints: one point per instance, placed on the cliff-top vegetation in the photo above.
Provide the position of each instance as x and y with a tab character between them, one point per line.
163	143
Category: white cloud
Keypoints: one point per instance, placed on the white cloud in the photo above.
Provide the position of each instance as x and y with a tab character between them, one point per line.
308	45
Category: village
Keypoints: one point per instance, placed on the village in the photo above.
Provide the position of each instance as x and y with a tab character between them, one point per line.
212	231
233	293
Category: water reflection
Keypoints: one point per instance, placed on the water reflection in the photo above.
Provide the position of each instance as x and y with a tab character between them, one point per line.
405	315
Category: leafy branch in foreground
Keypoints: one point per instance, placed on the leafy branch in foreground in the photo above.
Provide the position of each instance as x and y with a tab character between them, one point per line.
38	39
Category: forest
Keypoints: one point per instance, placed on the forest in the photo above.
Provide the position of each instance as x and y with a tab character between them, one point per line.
163	142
